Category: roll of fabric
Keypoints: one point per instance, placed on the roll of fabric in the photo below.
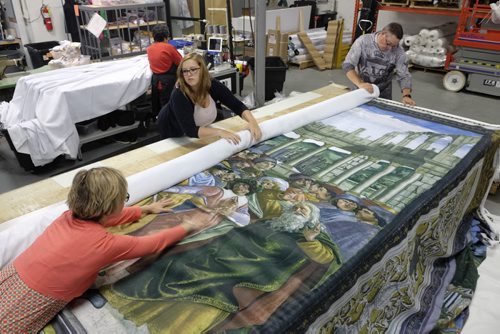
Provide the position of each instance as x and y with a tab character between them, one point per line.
315	39
302	51
408	40
435	34
417	48
424	33
440	51
302	57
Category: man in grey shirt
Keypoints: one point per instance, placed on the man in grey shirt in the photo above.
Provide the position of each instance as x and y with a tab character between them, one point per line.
375	59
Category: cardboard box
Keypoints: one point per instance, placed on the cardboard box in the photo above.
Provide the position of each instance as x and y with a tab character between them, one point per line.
277	44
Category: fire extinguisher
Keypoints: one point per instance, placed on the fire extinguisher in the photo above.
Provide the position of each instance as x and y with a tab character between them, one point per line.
47	20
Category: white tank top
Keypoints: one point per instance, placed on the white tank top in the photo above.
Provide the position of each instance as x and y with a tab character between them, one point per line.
205	116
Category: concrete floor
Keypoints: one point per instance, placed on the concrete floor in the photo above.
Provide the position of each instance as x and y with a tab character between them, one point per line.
428	92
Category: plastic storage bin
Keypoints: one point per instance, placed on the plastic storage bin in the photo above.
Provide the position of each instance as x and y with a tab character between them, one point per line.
275	75
37	51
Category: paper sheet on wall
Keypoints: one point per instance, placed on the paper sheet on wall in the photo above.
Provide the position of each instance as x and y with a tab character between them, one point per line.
96	25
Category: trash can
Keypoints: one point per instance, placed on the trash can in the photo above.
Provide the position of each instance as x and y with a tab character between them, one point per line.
275	75
37	51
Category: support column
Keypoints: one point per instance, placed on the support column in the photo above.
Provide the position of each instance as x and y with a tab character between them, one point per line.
260	52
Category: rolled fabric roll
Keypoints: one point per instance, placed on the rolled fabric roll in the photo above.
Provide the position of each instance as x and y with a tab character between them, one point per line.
417	49
424	33
320	47
313	37
417	40
409	40
434	34
410	55
440	51
430	44
427	51
437	61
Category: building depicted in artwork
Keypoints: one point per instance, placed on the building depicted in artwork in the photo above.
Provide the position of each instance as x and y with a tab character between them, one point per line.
392	169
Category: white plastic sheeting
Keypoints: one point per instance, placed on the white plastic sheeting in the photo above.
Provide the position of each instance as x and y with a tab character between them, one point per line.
42	114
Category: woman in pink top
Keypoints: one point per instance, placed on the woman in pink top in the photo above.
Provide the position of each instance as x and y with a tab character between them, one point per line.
63	262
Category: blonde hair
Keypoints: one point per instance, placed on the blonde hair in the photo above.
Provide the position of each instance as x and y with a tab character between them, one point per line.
199	95
97	192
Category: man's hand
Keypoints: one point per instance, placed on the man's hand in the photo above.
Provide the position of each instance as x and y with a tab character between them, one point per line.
408	101
367	86
311	233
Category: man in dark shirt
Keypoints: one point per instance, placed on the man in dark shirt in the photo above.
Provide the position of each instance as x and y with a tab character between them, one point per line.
375	59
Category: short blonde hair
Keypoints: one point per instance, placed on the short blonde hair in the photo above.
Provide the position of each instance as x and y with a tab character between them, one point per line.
196	96
97	192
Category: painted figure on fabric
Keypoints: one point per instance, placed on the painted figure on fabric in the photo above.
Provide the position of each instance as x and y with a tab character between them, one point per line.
226	273
270	203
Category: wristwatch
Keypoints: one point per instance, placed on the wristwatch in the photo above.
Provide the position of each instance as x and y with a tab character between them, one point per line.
407	95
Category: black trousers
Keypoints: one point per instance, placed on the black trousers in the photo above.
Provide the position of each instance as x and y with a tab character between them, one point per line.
161	89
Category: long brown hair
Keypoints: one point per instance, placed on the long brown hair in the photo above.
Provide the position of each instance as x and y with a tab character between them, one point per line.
199	94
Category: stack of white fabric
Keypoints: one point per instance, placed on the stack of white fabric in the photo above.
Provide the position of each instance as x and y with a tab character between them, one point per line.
430	47
42	114
68	54
297	52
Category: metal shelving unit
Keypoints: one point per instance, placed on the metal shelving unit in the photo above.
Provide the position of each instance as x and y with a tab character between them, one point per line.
420	10
127	32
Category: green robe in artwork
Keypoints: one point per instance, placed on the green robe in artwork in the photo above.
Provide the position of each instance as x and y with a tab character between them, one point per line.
254	256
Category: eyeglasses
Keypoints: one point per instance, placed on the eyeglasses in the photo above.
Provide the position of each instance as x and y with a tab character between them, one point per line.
391	43
188	71
127	197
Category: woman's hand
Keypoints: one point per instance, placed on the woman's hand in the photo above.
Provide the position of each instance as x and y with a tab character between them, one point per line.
231	137
158	207
253	126
255	131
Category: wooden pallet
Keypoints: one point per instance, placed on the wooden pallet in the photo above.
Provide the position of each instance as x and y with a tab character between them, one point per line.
403	3
303	64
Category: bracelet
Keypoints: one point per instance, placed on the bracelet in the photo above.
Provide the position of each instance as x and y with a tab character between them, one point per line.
407	95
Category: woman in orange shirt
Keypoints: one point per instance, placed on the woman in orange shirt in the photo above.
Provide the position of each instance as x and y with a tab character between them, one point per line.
63	262
163	61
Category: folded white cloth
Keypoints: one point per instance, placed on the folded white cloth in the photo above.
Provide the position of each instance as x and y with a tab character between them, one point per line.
42	114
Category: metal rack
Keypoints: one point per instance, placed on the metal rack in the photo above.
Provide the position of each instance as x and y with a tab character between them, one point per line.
127	32
359	6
